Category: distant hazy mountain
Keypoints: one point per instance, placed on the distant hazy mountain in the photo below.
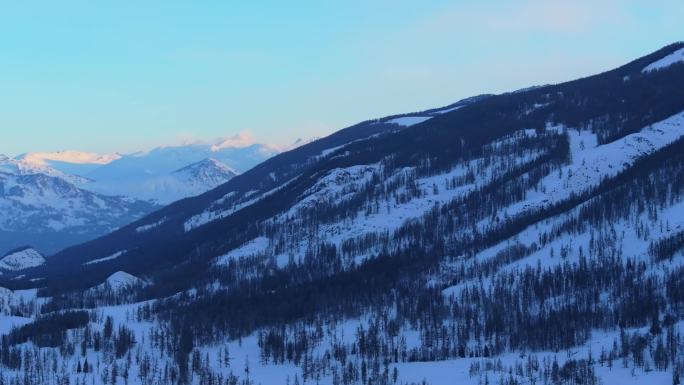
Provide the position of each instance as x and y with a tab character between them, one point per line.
160	185
47	209
21	167
70	162
51	200
161	175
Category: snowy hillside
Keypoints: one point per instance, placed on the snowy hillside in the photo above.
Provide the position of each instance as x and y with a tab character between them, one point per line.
21	259
120	281
532	237
673	58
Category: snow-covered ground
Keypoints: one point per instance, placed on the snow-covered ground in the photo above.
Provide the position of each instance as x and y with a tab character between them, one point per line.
150	226
108	258
121	281
408	121
217	212
592	163
675	57
22	259
256	246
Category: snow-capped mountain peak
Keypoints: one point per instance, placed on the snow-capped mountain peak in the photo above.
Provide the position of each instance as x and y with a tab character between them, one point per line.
675	57
122	280
68	156
21	259
209	164
24	167
205	174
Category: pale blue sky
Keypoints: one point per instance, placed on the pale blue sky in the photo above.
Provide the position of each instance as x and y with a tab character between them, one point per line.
128	75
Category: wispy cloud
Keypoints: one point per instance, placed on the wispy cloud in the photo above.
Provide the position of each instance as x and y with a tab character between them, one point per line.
241	139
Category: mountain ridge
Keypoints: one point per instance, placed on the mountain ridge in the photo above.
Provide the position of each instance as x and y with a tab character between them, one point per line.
435	124
534	236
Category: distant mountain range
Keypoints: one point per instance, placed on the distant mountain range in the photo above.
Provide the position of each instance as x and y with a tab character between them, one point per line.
157	175
54	199
48	210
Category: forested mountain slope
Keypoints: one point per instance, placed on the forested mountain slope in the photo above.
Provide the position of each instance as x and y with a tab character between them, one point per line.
529	237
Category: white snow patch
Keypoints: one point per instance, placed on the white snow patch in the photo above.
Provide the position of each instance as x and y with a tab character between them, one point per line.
121	280
109	258
330	150
143	228
250	193
21	260
9	322
591	164
675	57
444	111
408	121
210	215
226	197
255	246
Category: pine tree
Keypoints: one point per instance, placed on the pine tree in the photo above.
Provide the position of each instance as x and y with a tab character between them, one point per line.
108	328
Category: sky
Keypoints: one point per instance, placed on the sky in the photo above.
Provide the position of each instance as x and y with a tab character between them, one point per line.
130	75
